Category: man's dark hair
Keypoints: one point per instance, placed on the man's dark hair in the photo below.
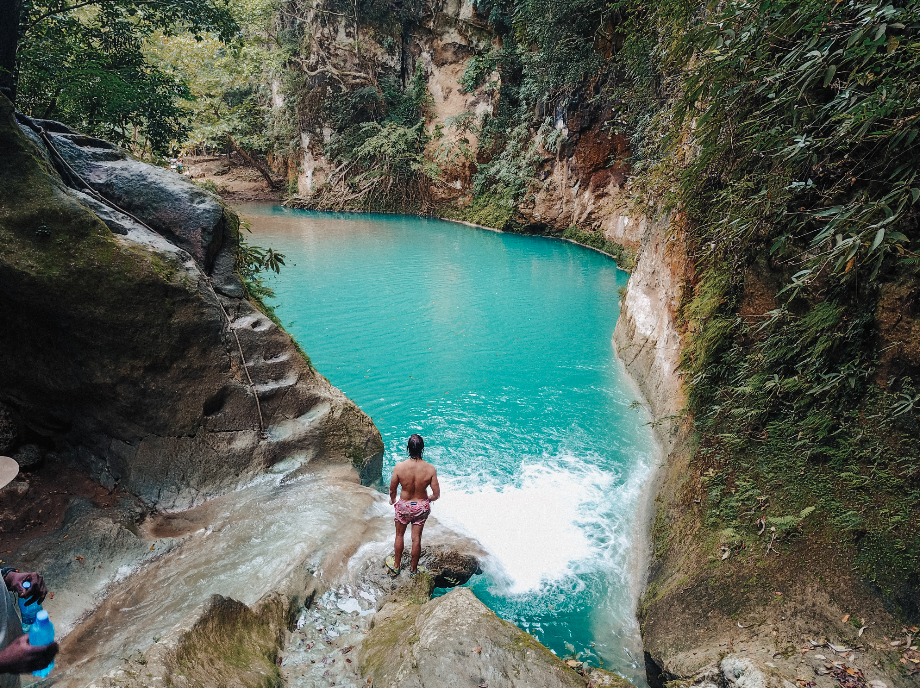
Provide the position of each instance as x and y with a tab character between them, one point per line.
415	446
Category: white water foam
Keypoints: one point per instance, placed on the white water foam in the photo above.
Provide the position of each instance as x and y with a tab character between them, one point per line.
554	520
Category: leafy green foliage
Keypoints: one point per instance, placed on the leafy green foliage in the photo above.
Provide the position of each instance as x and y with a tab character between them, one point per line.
83	63
224	78
379	148
789	156
550	49
806	118
251	262
624	258
511	172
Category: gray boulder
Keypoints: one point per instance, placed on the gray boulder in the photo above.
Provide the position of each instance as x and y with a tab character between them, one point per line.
187	215
457	641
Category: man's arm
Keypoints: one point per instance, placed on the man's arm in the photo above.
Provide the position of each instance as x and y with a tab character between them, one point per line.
435	487
394	483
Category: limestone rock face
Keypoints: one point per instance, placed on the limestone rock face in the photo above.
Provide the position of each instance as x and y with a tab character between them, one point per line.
455	640
646	334
118	350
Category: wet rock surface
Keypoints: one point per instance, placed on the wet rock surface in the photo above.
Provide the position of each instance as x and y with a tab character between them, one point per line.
321	650
447	566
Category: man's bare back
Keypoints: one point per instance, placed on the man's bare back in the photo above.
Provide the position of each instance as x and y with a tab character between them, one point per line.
413	476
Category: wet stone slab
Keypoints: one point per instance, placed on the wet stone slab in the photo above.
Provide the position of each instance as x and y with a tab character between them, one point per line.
321	652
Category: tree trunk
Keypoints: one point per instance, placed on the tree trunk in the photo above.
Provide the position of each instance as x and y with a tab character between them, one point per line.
9	40
255	162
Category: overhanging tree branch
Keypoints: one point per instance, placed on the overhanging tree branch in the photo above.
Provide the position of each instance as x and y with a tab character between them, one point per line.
255	162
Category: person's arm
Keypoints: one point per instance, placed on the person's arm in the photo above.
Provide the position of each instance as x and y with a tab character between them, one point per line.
14	580
22	658
394	483
435	487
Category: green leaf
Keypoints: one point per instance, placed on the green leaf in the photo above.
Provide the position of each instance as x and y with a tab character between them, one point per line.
916	194
879	236
829	75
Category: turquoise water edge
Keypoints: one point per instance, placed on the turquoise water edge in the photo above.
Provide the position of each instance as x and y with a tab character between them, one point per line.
497	349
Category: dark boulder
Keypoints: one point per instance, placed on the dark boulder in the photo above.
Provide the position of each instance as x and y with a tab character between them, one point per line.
29	456
9	429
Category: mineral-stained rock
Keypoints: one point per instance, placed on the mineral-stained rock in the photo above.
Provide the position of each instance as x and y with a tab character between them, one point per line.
117	348
455	640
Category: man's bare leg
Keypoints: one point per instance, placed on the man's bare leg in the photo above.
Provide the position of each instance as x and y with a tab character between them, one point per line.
398	546
416	544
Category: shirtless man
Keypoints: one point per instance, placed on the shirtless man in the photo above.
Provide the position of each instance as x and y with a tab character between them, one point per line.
414	506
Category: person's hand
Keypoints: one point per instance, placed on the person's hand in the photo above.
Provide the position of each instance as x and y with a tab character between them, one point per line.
36	593
392	501
22	658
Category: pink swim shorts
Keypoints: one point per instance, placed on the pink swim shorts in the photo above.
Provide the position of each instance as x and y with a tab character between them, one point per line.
415	512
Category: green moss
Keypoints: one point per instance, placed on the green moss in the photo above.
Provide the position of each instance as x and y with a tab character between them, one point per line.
625	258
486	209
387	637
164	267
233	642
56	245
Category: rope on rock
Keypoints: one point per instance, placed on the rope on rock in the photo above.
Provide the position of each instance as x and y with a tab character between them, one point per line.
239	346
70	177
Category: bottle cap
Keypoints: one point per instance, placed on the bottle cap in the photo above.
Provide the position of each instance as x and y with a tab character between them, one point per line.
26	585
41	616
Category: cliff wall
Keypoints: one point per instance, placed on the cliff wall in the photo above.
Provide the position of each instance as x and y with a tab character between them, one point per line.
710	614
580	183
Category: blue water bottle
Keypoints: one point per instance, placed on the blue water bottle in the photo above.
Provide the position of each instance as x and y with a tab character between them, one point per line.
28	611
42	633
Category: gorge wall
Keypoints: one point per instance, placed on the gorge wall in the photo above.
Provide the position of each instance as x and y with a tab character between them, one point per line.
772	543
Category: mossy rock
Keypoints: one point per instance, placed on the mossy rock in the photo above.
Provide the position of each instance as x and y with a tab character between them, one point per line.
414	645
